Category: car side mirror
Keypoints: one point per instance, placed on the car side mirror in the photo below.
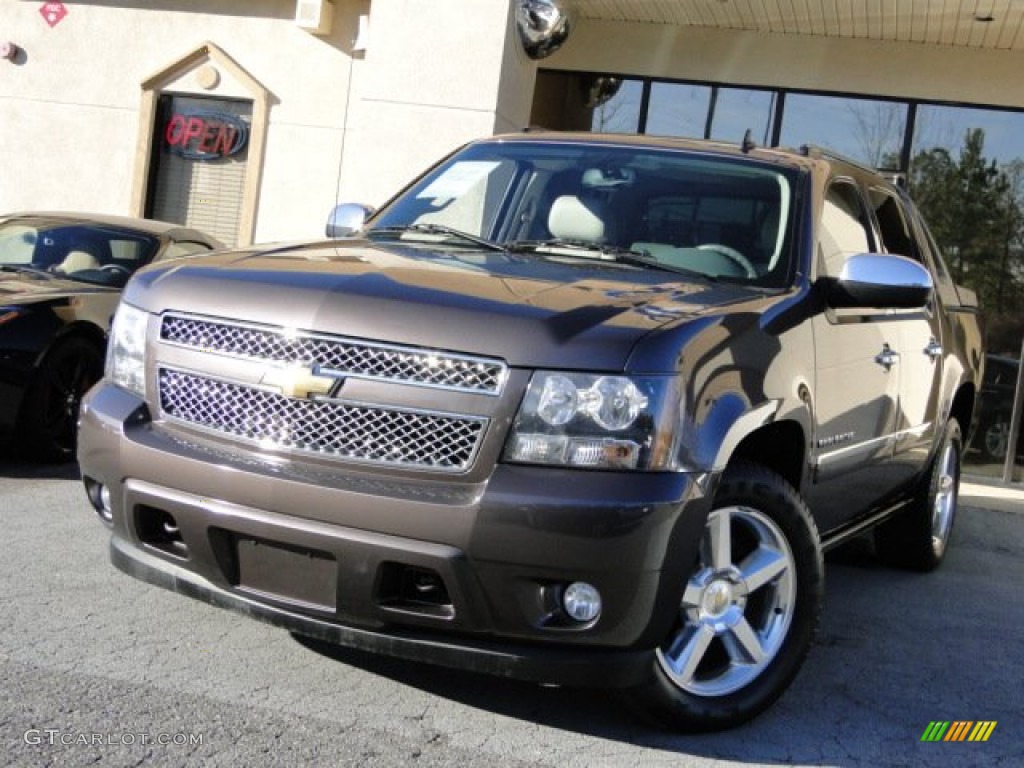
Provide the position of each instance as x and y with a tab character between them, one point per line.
880	281
347	219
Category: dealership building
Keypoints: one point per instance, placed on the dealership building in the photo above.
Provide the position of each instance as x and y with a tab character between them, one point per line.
251	119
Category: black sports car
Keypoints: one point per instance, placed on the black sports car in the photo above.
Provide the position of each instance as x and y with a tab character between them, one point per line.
61	276
995	408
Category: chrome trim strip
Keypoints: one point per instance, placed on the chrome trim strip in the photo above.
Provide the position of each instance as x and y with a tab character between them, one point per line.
868	445
501	376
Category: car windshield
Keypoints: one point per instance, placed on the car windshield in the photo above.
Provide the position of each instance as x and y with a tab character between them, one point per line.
717	215
92	253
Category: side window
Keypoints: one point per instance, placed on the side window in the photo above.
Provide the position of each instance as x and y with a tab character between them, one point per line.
129	253
17	244
893	227
936	252
844	230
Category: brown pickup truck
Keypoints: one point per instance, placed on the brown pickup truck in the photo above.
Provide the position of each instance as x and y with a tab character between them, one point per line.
575	409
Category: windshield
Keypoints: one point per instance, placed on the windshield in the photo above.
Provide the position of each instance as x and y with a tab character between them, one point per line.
720	216
92	253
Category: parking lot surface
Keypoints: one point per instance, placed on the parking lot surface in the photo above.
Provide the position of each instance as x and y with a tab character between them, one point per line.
97	668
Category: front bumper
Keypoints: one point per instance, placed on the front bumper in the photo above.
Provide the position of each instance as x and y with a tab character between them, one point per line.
460	574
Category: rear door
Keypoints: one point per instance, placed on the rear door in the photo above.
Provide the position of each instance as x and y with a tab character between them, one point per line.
919	343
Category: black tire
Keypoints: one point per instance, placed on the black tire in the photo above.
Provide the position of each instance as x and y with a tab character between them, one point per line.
696	685
49	415
993	439
918	537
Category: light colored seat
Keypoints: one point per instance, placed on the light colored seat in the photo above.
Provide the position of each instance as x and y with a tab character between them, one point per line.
573	219
78	261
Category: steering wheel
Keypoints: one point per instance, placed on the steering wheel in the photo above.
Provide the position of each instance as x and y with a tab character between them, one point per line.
733	255
116	269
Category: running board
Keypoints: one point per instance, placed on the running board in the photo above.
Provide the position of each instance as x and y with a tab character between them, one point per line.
854	529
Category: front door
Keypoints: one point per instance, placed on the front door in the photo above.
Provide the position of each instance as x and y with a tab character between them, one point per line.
858	379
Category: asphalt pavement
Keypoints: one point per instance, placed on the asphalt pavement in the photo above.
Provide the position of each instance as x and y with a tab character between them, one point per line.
99	669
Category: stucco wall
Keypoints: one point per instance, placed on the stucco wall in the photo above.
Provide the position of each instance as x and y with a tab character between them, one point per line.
343	124
436	75
69	104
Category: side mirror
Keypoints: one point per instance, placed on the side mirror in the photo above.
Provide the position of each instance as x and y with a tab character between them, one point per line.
347	219
880	281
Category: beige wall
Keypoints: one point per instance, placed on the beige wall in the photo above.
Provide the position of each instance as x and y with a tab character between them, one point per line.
343	125
907	70
436	74
69	105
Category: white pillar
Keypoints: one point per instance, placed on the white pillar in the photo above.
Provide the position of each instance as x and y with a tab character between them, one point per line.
435	75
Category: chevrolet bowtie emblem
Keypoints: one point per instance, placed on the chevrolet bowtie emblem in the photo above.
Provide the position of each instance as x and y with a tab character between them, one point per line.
297	381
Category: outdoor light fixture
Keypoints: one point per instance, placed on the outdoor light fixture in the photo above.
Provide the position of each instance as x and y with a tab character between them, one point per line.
544	25
600	90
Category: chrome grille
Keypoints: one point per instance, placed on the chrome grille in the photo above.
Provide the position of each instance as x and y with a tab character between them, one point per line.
350	357
352	431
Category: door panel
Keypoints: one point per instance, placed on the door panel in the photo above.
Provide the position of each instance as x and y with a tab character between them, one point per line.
857	402
857	389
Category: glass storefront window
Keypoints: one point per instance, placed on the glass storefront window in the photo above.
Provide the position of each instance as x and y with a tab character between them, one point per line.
988	450
677	109
198	163
621	113
737	110
946	127
870	132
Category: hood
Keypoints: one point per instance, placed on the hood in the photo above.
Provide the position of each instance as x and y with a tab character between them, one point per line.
29	288
528	310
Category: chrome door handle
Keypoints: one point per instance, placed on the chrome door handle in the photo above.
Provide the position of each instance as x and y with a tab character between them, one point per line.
934	349
888	357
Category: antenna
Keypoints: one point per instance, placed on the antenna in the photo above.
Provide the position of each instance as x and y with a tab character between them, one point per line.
748	142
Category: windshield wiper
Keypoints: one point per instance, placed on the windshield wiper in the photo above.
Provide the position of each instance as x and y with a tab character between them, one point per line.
438	229
587	246
606	251
26	268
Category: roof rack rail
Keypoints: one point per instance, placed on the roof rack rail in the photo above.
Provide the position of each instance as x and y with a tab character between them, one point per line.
813	150
894	176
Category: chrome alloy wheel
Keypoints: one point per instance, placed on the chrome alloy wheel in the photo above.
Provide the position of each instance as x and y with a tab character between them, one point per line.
997	439
944	505
737	607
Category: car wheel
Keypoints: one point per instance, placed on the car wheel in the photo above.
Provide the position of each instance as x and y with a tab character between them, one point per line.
748	610
918	538
49	419
995	439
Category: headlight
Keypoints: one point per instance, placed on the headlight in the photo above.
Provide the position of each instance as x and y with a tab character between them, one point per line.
126	352
598	421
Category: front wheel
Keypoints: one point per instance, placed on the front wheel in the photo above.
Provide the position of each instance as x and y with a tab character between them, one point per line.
49	419
748	610
995	440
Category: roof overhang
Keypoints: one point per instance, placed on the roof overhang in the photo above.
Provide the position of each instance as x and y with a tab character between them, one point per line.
980	24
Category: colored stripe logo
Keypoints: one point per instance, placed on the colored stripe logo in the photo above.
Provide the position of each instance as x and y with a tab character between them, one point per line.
959	730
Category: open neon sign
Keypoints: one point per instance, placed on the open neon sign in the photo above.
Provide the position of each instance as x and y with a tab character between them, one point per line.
204	134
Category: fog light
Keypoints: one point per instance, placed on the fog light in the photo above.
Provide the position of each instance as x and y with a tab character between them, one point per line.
582	601
99	497
105	508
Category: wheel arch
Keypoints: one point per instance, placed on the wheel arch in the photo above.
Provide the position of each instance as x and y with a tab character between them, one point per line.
779	446
962	409
80	329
